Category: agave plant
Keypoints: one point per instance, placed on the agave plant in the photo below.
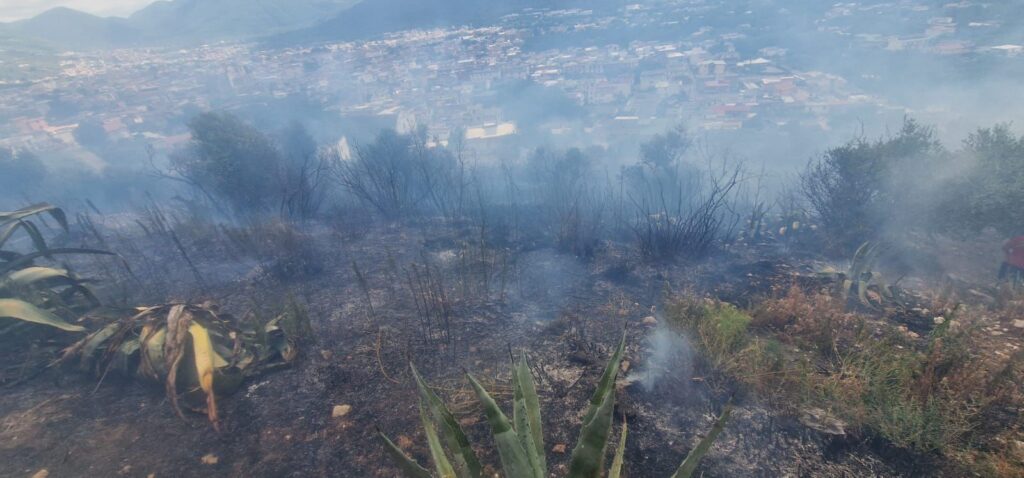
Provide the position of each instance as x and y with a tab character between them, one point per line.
860	276
194	350
37	295
520	441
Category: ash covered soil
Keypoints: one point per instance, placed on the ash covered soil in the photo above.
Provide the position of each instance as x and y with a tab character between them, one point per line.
319	416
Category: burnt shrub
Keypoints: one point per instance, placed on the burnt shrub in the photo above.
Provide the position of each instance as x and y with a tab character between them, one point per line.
398	175
303	172
680	210
572	209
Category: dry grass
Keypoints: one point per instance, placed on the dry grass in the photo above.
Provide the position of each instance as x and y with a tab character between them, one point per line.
929	394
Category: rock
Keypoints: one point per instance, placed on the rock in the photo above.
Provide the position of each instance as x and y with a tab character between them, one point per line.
649	320
1019	323
326	354
820	420
939	320
624	366
559	448
41	473
404	442
340	411
210	459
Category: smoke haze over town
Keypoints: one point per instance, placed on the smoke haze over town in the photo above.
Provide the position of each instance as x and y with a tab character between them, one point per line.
792	229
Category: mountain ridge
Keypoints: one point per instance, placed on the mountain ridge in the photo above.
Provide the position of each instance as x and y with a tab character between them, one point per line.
173	22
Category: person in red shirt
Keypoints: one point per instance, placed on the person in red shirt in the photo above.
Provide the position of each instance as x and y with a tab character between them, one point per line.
1013	264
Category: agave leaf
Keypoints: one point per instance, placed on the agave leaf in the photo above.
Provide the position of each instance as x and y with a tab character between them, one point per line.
607	381
862	293
526	415
33	232
514	460
409	467
202	349
521	423
123	356
466	463
588	455
93	342
54	211
30	275
689	465
26	259
152	361
845	288
8	231
178	319
620	453
441	463
276	340
21	310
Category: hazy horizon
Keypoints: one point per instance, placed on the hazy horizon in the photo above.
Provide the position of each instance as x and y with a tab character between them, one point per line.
14	10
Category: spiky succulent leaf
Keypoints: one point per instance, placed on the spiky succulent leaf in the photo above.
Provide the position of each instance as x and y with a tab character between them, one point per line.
521	421
441	464
862	293
620	453
93	342
466	463
611	371
32	275
23	260
514	461
202	349
33	232
24	311
54	211
409	467
532	407
689	465
589	454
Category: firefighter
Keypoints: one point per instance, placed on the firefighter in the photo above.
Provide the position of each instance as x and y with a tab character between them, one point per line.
1013	263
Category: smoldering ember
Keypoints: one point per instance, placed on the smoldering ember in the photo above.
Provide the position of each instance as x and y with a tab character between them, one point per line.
519	238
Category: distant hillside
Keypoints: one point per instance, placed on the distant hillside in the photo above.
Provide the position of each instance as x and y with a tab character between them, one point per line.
205	20
375	17
173	22
67	28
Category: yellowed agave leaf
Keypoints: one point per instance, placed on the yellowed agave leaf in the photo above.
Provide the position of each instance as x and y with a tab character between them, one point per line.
205	359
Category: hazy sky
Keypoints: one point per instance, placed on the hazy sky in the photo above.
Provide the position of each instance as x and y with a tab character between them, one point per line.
18	9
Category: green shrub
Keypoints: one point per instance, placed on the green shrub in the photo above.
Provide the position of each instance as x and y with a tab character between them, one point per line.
989	193
855	190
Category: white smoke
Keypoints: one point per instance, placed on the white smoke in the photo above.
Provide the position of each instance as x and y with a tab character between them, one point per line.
668	355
